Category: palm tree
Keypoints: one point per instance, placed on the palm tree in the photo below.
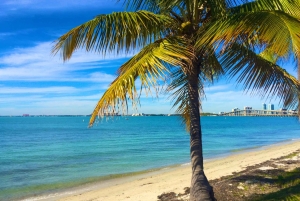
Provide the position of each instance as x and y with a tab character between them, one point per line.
186	44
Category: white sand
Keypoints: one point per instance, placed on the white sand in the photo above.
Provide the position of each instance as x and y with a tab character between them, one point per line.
146	187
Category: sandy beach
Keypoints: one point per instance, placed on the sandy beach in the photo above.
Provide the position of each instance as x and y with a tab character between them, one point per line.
147	186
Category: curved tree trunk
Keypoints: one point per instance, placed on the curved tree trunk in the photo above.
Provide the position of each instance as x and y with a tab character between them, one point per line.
200	188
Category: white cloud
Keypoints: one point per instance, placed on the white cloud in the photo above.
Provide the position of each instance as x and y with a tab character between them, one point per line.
37	104
16	90
217	88
41	52
30	98
4	34
37	64
31	73
54	96
52	89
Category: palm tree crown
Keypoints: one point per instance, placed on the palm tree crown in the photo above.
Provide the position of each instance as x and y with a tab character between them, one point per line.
186	43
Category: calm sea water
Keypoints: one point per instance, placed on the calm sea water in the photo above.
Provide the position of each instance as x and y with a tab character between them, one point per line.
40	155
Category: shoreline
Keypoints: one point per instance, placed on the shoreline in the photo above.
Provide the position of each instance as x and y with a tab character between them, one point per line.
150	183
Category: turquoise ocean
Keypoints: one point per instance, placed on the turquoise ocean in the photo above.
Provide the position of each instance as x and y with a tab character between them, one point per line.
43	155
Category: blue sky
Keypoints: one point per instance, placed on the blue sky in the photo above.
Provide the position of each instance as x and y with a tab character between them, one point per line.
35	82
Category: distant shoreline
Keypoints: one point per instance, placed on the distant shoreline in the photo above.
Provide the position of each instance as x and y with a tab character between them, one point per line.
130	115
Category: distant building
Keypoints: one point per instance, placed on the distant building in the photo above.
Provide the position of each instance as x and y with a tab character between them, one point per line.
111	114
283	110
25	115
142	114
235	109
247	108
264	106
271	107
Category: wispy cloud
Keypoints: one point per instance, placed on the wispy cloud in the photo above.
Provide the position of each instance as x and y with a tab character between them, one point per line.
34	98
41	52
26	90
52	90
70	104
216	88
5	34
44	84
37	64
49	100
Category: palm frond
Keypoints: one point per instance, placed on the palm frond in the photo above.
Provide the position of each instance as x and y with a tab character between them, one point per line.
268	55
119	31
275	30
260	76
178	87
291	7
177	6
150	5
179	95
149	66
209	69
217	8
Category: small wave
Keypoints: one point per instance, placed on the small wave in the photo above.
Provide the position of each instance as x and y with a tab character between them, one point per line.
245	149
185	164
55	195
42	197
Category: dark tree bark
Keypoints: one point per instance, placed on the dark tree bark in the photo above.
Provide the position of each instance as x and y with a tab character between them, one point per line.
200	187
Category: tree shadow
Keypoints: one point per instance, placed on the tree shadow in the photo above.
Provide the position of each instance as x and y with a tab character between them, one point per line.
275	176
287	194
288	183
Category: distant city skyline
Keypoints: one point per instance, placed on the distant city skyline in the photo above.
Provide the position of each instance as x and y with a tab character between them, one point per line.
137	113
33	81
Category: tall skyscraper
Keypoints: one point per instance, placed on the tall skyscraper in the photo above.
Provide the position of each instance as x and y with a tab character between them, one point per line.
271	107
264	106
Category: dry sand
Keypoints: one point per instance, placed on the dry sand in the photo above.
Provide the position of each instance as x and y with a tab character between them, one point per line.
146	187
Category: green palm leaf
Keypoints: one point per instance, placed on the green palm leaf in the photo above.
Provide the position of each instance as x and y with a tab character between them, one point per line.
150	5
119	31
275	30
260	76
290	7
178	88
210	69
149	65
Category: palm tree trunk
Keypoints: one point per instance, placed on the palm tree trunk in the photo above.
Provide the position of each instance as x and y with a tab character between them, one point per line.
200	188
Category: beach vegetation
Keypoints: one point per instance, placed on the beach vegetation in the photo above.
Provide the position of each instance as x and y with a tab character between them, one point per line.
181	46
292	155
288	184
288	179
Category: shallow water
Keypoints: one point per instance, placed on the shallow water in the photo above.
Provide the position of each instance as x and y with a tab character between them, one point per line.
44	154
